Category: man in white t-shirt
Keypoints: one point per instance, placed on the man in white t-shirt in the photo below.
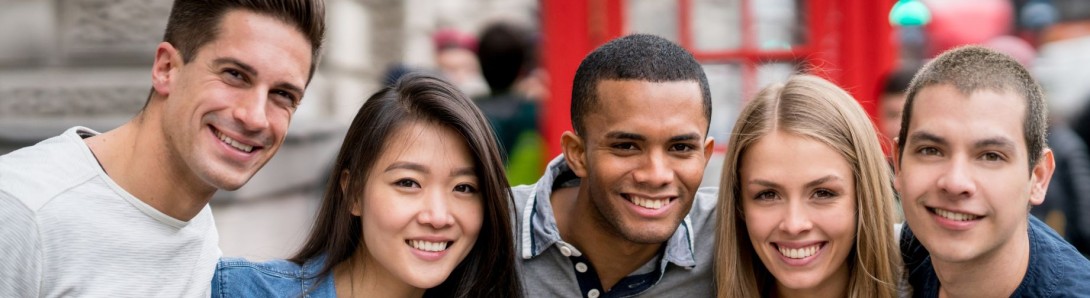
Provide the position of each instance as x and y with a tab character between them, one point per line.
125	212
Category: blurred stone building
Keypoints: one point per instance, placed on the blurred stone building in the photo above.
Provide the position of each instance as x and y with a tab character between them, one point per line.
88	62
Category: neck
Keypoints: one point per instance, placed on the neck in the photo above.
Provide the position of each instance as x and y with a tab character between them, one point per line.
360	277
993	274
137	158
834	286
613	256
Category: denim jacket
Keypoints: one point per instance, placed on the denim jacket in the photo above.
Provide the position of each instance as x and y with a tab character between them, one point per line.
1055	269
237	277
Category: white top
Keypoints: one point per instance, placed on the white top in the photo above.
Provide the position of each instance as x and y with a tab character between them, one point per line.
66	229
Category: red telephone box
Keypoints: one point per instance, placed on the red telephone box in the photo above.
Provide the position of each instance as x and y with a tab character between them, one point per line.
744	45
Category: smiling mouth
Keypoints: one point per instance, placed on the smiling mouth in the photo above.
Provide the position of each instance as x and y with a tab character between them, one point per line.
951	215
428	245
649	203
799	253
231	142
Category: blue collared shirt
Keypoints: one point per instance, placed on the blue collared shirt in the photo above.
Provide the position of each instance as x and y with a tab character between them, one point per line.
237	277
552	267
1055	269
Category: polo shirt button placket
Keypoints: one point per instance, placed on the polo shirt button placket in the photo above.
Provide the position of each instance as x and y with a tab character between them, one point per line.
593	293
581	267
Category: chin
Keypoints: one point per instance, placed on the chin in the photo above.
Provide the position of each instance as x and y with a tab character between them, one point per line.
229	183
427	282
797	283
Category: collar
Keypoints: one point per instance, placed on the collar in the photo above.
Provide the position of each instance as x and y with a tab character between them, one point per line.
539	231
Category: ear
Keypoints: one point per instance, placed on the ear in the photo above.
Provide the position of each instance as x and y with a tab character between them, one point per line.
345	177
575	151
167	60
1041	176
709	149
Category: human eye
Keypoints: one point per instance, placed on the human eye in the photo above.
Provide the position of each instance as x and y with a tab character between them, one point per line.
928	151
286	97
465	188
992	156
824	194
682	147
234	75
624	146
407	183
766	195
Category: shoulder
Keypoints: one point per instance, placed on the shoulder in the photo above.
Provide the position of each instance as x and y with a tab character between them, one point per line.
34	175
1057	266
704	202
237	277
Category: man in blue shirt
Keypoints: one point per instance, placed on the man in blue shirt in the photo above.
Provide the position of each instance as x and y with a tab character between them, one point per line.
619	213
972	160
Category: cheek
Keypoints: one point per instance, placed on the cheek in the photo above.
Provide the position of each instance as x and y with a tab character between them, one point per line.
690	171
839	222
381	216
470	215
759	222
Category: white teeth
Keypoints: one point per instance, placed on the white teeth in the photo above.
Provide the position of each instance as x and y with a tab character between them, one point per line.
954	215
799	253
428	246
649	203
229	141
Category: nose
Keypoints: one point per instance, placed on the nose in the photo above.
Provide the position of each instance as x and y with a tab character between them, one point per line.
957	179
654	171
251	112
435	211
796	220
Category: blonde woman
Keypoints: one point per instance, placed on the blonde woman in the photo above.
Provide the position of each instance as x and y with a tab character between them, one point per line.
806	201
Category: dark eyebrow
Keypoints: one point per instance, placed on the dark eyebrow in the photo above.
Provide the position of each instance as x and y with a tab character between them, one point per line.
684	138
245	67
253	72
1002	143
625	136
407	166
923	136
402	165
821	180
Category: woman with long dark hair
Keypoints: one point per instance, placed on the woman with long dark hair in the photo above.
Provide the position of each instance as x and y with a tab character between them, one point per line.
417	205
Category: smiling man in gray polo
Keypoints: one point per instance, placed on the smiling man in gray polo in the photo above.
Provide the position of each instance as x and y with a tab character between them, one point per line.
620	214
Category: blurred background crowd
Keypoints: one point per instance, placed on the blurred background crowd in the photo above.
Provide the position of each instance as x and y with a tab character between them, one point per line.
85	62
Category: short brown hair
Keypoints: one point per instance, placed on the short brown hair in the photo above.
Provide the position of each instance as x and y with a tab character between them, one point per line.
194	23
974	68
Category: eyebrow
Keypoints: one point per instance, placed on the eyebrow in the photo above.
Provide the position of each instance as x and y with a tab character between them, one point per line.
401	165
253	72
765	183
411	166
810	184
995	142
923	136
685	138
638	137
625	136
1000	142
821	181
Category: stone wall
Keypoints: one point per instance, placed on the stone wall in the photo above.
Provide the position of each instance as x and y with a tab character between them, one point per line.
65	63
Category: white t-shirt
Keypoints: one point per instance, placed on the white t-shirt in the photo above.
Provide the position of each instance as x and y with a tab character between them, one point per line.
66	229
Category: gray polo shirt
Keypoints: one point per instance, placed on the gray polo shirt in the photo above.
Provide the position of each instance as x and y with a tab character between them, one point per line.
551	267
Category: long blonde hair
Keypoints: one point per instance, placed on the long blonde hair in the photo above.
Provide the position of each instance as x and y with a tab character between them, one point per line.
812	107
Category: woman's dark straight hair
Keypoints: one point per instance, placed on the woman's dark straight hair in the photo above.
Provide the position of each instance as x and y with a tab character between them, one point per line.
489	268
